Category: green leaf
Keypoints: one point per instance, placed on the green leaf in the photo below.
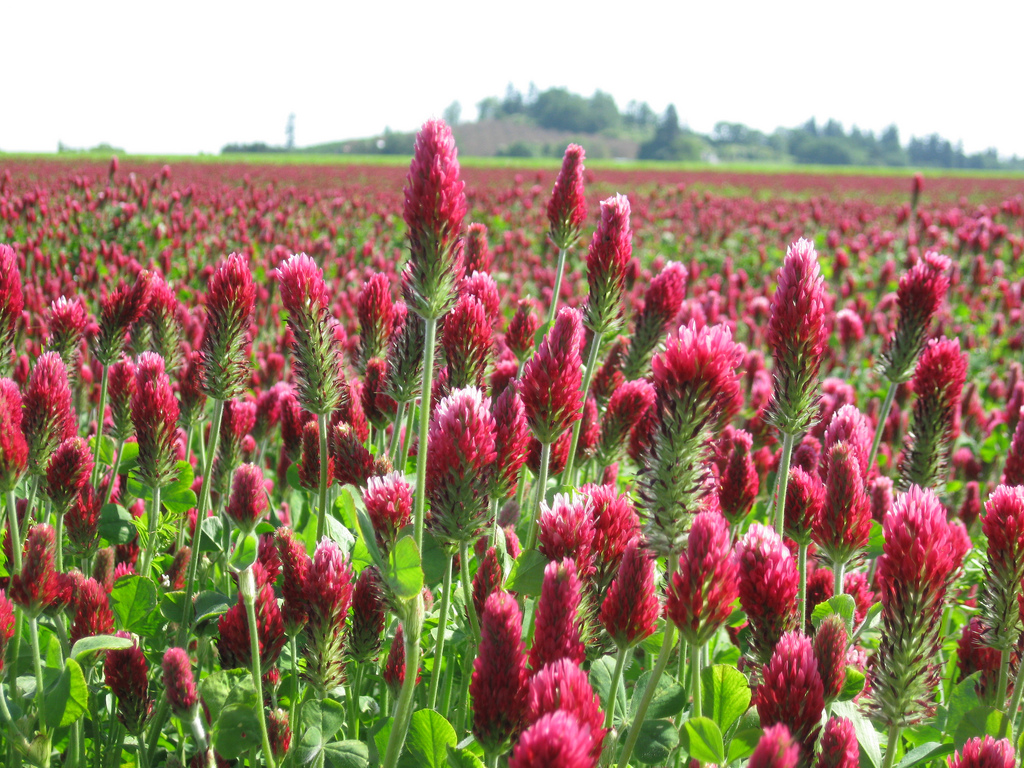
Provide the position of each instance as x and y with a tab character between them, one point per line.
428	740
134	602
434	560
116	524
962	700
854	684
95	643
876	540
463	758
404	574
527	575
870	618
129	458
178	497
210	536
339	534
370	540
725	695
209	605
217	687
656	741
701	739
245	552
171	604
843	606
327	716
347	754
67	698
668	699
867	738
743	743
982	721
925	753
236	731
601	672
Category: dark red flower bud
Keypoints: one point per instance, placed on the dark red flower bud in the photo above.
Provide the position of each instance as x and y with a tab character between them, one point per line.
295	566
983	753
48	417
567	531
11	304
353	464
776	749
662	303
248	502
179	684
630	609
556	739
118	312
567	208
792	692
839	747
768	586
68	472
92	612
550	386
921	291
522	329
556	626
368	616
563	687
500	680
155	415
127	673
830	642
607	262
13	448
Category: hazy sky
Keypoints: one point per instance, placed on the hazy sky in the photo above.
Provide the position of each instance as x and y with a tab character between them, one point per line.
187	77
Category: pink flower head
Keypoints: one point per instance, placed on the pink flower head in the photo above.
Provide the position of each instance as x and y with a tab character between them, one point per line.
797	336
521	330
662	302
616	524
295	567
248	502
830	644
850	328
607	261
481	286
92	612
567	530
972	655
1013	470
65	322
1003	526
328	599
768	586
279	733
920	559
776	749
230	301
82	522
562	686
13	447
127	673
704	586
376	317
557	630
983	753
477	256
697	387
466	339
460	463
68	472
511	441
435	206
630	609
179	683
487	580
303	290
48	417
388	501
938	382
155	415
550	385
309	462
234	645
39	585
6	627
11	304
557	739
353	463
118	312
792	692
921	291
844	525
567	208
852	427
805	500
368	616
739	482
839	748
121	380
394	665
190	389
626	407
161	316
499	682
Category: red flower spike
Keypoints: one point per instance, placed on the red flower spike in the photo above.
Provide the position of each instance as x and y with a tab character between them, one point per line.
704	586
566	529
177	571
921	291
662	302
556	739
556	626
466	339
1013	470
353	464
776	749
190	390
609	376
435	206
626	407
880	491
328	599
511	441
6	627
792	692
161	316
155	415
550	385
852	427
630	609
388	501
739	482
39	586
118	312
1003	526
48	417
121	379
616	524
477	256
499	682
973	656
378	407
68	472
279	733
983	753
295	567
92	612
481	286
376	317
487	580
460	463
839	747
126	671
309	464
248	501
234	644
563	687
768	583
179	684
522	329
66	322
607	262
804	502
938	382
567	207
921	557
830	642
230	301
844	525
11	304
368	616
394	666
13	447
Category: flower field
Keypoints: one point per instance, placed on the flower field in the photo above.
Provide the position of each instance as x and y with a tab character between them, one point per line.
430	465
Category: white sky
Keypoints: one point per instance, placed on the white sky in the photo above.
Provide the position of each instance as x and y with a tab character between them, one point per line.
188	77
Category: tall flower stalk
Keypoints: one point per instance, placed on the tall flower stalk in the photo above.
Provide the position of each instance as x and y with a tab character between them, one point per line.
567	210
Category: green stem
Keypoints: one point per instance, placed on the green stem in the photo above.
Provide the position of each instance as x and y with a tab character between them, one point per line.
395	432
542	481
142	759
247	588
556	291
420	499
891	746
442	627
883	416
201	508
495	509
1018	690
154	520
467	589
13	730
838	571
14	649
58	535
410	419
321	516
100	413
1004	678
695	680
449	682
37	663
609	706
491	761
645	701
780	501
113	473
354	690
12	520
156	725
801	562
588	374
403	707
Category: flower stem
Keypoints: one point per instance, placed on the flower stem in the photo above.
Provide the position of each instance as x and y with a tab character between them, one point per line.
883	416
801	562
568	478
321	518
442	627
609	706
780	500
396	431
154	519
542	481
695	651
113	472
201	507
645	701
467	589
410	419
891	746
100	413
1018	689
413	624
247	588
37	663
420	499
557	289
838	572
1004	675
